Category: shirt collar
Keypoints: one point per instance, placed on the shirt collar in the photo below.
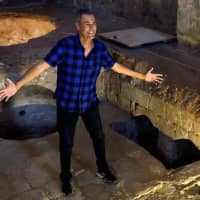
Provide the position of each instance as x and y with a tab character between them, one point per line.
77	37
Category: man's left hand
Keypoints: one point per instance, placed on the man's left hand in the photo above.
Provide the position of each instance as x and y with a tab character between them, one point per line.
154	78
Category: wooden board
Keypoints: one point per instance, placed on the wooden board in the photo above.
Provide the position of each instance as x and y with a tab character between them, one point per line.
137	36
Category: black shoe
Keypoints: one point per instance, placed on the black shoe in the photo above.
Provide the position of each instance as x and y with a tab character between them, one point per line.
65	178
107	176
67	188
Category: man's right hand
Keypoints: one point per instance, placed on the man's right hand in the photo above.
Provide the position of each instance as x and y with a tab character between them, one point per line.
32	73
9	91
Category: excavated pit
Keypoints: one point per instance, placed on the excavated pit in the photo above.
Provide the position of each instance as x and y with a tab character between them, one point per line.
28	118
133	165
18	28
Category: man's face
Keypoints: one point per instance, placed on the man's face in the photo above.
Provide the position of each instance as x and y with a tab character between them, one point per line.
86	27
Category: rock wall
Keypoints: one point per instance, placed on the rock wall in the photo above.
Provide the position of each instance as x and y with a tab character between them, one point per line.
174	111
161	14
189	21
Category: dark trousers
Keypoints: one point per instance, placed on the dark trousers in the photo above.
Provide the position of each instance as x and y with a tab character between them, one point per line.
66	122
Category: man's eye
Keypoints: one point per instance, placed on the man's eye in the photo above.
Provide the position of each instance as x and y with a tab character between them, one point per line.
90	24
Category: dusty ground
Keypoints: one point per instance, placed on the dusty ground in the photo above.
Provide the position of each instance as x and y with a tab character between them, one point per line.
29	169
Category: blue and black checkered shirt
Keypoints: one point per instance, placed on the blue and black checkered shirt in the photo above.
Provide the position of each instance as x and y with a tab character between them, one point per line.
77	74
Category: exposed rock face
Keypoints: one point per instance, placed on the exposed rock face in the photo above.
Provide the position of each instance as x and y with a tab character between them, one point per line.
189	21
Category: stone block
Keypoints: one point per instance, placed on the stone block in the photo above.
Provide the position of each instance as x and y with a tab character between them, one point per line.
100	85
142	97
124	104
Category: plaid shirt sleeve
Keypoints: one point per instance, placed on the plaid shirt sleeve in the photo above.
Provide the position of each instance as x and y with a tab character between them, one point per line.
108	61
56	54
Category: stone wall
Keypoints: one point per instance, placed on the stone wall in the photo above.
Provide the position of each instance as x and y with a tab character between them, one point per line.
161	14
174	111
188	24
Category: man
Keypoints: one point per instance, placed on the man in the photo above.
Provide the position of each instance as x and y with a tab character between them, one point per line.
79	59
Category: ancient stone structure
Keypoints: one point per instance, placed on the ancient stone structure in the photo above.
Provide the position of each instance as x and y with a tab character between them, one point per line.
158	103
173	110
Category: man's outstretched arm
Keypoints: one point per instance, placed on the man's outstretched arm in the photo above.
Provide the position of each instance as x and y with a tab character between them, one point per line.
149	76
32	73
